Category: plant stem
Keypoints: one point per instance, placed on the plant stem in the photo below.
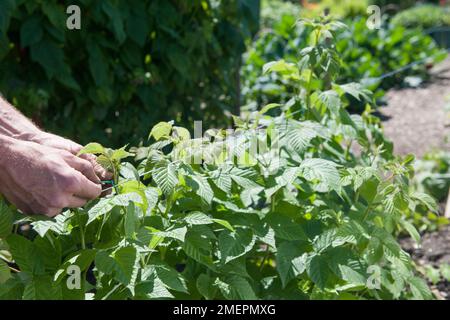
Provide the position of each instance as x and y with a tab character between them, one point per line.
266	255
83	241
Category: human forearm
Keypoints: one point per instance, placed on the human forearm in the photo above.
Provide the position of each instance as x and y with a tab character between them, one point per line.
14	124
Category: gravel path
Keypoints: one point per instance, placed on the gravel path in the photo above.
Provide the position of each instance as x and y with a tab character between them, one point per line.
415	118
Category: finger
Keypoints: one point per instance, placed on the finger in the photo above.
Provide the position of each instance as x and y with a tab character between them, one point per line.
86	189
101	172
83	166
75	202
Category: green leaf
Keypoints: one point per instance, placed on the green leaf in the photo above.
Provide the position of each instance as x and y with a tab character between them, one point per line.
31	31
115	18
131	222
201	186
23	253
181	133
120	154
235	244
42	288
55	13
82	259
93	148
323	171
6	220
198	218
445	271
98	64
161	130
282	67
205	285
419	289
171	278
49	56
165	177
152	287
224	223
299	138
105	205
176	233
291	261
125	261
285	228
409	227
425	199
318	271
198	246
269	107
57	224
237	288
330	99
138	26
5	273
354	89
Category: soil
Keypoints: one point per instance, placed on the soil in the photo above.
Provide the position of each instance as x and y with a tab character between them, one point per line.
415	119
434	250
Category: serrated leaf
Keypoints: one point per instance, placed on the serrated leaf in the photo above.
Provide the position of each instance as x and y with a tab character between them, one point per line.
165	177
235	244
419	289
291	261
125	264
177	233
92	148
323	171
201	186
285	228
42	288
318	271
105	205
425	199
171	278
161	130
237	288
198	218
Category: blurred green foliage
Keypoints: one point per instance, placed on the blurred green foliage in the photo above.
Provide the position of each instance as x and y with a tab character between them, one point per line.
339	9
424	16
366	55
132	64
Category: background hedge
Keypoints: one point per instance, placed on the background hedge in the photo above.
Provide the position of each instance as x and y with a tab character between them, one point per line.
133	63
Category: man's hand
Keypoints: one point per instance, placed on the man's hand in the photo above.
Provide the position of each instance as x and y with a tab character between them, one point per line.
44	180
54	141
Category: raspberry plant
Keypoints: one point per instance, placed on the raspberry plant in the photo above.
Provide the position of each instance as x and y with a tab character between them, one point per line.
311	215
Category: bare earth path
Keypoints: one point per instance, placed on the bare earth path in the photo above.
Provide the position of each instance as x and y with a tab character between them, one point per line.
416	121
415	118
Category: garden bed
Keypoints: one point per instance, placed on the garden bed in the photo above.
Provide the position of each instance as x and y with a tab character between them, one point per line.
434	251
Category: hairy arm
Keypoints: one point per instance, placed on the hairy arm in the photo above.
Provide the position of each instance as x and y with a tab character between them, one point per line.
14	124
